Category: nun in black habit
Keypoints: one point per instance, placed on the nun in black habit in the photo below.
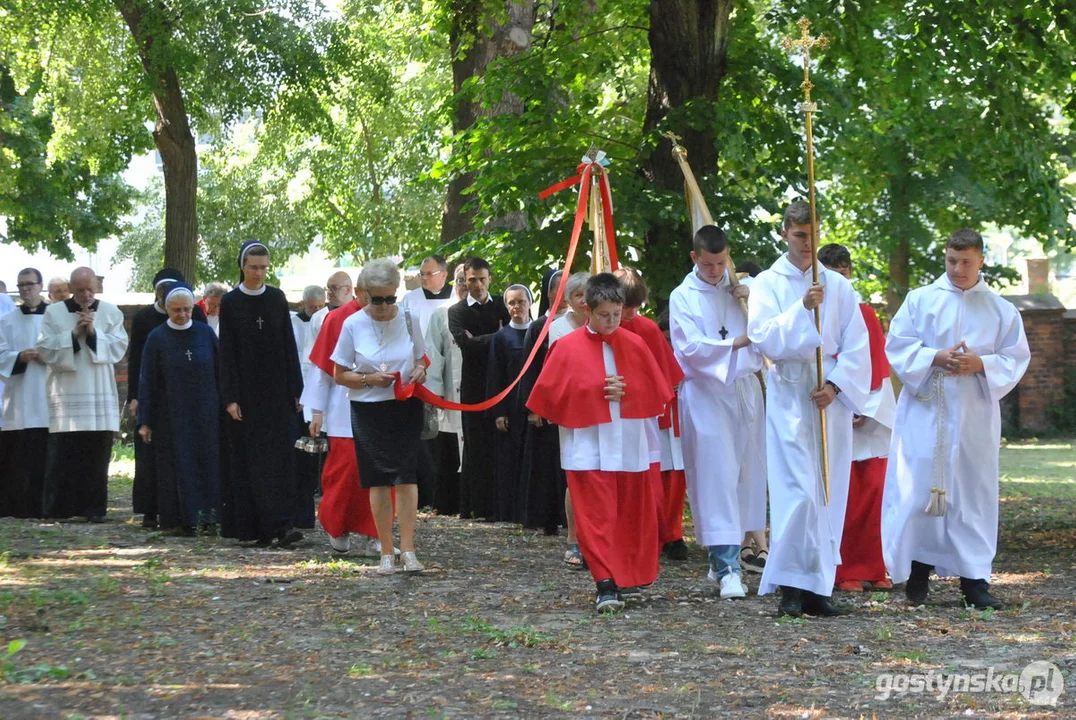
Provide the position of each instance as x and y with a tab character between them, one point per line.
145	321
260	386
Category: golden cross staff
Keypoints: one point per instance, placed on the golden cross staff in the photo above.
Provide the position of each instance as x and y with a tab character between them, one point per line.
804	44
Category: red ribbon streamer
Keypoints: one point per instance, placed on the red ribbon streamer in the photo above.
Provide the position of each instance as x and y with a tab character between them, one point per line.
404	392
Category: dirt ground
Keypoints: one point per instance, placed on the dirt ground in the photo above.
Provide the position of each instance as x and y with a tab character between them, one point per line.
115	621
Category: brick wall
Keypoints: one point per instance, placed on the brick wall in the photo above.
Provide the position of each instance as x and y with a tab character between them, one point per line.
1027	408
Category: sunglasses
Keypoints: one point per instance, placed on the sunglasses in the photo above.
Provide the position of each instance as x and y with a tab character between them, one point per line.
382	299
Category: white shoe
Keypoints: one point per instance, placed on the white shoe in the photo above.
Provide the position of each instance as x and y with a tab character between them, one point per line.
341	544
731	587
411	563
387	566
372	547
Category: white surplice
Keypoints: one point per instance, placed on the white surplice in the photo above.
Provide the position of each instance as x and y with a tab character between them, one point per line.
423	308
948	428
81	383
25	403
722	419
805	533
871	439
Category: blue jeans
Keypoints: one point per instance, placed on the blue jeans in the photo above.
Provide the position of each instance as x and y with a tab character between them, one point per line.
725	559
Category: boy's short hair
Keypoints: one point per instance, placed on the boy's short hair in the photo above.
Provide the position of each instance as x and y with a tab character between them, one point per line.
711	239
603	288
835	255
750	267
633	285
966	239
797	213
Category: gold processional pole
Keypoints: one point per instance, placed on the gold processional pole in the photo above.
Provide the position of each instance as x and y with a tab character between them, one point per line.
696	204
599	257
805	43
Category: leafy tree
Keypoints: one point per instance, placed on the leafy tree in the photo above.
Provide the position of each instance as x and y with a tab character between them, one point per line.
110	64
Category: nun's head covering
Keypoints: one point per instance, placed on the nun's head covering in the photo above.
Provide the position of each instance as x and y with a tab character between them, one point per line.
543	302
166	276
245	249
524	288
177	290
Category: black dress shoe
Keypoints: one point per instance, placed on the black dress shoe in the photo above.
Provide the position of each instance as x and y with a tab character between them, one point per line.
819	605
918	586
976	594
791	604
149	522
676	550
288	537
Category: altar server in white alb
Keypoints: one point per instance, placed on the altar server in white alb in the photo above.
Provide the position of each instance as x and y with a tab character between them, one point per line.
805	532
24	439
81	340
721	409
958	348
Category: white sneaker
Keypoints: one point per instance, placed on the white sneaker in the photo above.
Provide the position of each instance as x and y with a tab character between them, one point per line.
341	544
411	563
387	566
731	587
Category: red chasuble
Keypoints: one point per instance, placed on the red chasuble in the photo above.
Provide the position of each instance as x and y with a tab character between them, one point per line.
570	391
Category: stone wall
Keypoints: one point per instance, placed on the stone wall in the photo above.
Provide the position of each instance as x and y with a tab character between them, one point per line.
1028	408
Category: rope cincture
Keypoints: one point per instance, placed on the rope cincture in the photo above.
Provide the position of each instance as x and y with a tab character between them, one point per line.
937	504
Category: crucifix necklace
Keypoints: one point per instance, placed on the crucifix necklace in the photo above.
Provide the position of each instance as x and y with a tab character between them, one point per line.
723	332
188	354
382	330
260	322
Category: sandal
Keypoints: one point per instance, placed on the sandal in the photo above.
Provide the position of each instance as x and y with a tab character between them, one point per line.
574	557
753	561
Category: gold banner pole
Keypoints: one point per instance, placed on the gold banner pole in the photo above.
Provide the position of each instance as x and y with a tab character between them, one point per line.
805	43
696	204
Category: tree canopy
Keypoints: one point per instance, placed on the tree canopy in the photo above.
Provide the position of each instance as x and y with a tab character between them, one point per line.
346	126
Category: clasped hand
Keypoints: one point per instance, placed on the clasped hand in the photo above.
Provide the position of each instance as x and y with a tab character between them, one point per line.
614	387
958	360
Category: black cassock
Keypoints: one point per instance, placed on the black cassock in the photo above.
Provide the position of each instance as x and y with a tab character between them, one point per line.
542	477
506	356
179	401
478	491
145	321
259	370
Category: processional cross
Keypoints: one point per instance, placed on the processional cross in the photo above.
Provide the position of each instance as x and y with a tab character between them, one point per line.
804	44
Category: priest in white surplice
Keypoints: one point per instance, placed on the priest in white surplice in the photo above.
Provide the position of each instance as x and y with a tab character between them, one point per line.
721	409
435	292
959	348
26	412
81	340
805	533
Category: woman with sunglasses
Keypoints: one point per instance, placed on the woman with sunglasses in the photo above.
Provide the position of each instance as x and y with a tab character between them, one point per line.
376	344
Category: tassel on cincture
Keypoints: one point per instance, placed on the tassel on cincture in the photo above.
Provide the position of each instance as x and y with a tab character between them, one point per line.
936	506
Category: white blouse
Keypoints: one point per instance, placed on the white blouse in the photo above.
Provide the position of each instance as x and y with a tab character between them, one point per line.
367	345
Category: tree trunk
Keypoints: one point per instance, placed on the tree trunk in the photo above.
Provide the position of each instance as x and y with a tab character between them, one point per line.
505	40
172	135
902	227
688	49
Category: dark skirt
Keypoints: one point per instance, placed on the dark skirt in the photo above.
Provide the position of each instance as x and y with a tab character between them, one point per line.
387	436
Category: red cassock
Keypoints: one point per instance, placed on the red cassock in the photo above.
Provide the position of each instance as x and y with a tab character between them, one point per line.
861	544
615	514
345	504
670	488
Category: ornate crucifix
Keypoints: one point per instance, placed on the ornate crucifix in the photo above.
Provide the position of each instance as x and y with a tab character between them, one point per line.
804	44
260	322
188	354
723	332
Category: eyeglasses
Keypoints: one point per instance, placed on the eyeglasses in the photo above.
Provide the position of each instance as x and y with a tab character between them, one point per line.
435	273
382	299
20	286
334	288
